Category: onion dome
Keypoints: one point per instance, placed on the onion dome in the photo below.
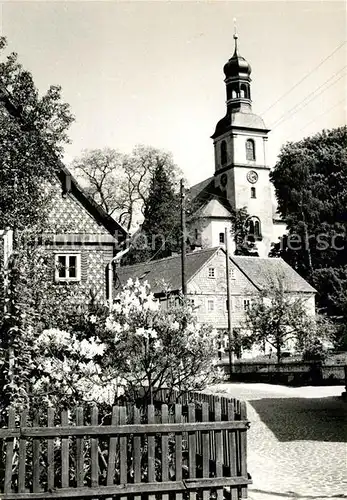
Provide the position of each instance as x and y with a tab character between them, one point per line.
237	65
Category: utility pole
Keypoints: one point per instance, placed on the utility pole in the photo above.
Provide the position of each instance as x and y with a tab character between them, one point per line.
183	240
227	268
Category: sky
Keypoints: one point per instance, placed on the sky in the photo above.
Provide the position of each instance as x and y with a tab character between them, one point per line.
151	72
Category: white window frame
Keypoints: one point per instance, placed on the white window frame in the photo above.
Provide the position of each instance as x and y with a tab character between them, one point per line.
210	302
211	272
247	303
67	279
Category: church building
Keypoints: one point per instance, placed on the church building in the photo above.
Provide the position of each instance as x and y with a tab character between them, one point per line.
241	177
240	181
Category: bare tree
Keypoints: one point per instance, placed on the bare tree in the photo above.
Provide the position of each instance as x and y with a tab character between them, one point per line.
120	182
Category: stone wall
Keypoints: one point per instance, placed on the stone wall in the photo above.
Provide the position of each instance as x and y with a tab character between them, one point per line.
296	374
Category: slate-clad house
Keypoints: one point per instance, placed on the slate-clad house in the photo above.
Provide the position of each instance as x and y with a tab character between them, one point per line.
85	237
82	238
206	283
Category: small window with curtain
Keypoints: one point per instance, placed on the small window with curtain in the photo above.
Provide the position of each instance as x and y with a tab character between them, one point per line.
246	304
250	149
210	305
67	267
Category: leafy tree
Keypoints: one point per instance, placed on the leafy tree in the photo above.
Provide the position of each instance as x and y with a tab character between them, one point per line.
276	317
120	182
33	130
310	180
160	233
244	241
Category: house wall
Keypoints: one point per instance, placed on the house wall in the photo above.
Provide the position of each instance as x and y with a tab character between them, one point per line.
203	288
74	229
94	260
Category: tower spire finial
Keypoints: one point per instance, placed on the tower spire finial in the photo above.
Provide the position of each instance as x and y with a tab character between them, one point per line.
235	36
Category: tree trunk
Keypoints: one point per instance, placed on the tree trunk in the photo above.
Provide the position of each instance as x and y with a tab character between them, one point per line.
278	352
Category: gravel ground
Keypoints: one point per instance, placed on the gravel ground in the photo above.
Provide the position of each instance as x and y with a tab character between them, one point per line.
297	440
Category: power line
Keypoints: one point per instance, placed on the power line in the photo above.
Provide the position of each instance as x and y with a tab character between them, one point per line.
322	114
304	77
296	108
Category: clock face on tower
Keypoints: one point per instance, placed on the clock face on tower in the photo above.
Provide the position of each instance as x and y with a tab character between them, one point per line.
252	176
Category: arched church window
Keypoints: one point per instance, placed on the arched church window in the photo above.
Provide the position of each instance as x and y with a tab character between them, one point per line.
257	232
253	192
253	226
243	91
233	94
223	152
250	149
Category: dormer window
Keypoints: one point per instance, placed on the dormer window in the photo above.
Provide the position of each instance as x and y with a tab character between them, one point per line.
250	149
223	153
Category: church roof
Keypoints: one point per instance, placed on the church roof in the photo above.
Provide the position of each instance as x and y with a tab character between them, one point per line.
237	65
239	119
204	192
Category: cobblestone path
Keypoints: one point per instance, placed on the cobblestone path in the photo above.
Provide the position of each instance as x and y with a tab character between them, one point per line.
297	440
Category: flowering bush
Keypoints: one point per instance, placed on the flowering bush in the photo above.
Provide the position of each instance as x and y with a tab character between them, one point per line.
130	351
155	348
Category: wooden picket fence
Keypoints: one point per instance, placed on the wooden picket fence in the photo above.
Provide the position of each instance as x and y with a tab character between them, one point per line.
195	450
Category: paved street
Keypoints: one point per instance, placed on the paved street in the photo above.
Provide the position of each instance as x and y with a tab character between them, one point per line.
297	440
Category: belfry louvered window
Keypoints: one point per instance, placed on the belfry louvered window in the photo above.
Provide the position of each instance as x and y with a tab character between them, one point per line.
250	149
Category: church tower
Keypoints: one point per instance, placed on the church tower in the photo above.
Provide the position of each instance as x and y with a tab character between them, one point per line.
240	139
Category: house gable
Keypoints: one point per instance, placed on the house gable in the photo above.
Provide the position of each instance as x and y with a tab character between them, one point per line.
203	283
80	232
69	215
206	292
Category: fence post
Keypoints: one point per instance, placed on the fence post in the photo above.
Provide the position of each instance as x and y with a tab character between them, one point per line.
243	449
344	394
9	452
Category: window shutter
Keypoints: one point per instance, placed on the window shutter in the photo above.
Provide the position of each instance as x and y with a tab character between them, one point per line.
84	266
